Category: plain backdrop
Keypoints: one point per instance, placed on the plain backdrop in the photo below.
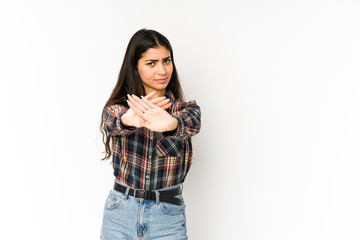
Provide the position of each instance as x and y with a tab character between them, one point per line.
277	157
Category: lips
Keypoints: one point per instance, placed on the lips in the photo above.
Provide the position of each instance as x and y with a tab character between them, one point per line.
163	80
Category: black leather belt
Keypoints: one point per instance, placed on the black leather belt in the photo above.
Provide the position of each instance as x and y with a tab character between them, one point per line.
164	195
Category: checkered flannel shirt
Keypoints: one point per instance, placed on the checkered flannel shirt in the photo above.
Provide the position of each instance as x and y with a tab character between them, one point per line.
149	160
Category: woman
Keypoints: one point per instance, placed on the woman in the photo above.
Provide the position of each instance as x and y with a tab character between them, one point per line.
147	128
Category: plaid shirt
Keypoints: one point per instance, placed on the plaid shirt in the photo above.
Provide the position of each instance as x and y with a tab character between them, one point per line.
149	160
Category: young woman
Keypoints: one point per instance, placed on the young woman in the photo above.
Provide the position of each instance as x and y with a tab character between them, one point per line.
147	129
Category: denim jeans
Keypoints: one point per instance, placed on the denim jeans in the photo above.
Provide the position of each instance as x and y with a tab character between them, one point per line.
127	218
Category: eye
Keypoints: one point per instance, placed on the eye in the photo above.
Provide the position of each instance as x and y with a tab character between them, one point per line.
167	60
151	64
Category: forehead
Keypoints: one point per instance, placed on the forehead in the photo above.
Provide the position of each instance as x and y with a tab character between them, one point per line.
156	53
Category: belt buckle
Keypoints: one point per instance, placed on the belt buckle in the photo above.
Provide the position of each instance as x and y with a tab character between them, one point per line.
135	195
140	190
146	194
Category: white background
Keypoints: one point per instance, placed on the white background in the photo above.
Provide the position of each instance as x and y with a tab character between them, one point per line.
278	85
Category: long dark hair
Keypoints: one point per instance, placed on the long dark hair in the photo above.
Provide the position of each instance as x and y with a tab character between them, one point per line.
129	81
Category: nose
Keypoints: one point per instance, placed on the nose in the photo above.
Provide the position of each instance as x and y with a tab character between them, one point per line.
162	69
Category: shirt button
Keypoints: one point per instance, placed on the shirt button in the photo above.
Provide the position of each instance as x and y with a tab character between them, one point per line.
151	138
147	176
149	157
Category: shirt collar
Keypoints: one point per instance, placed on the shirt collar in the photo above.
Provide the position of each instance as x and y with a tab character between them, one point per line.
170	95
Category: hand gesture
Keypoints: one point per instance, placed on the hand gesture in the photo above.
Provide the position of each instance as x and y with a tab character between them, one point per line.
155	118
130	118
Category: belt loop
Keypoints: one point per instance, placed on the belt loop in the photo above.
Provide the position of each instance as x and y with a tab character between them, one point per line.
157	197
127	193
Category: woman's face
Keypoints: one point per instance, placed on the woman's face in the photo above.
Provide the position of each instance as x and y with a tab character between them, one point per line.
155	68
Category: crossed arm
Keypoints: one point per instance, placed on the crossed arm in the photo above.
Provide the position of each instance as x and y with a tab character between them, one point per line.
149	114
183	122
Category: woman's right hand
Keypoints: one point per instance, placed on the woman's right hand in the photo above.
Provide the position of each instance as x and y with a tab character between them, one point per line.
132	119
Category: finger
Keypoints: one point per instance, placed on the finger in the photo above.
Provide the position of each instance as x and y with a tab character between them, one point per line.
166	106
157	100
136	104
150	94
150	104
143	103
135	109
163	103
135	101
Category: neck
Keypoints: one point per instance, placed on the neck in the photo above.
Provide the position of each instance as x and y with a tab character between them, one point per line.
158	93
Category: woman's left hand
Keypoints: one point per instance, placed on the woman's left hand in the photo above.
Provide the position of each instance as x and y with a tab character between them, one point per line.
156	118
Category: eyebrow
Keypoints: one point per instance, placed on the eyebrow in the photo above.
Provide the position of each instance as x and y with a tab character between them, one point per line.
153	60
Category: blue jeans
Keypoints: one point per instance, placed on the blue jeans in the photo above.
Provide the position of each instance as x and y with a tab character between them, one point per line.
127	218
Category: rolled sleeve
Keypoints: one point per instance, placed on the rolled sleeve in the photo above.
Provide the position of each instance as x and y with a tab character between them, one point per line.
188	116
112	120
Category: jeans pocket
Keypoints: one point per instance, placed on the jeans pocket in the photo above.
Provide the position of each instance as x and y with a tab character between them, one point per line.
173	209
113	200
